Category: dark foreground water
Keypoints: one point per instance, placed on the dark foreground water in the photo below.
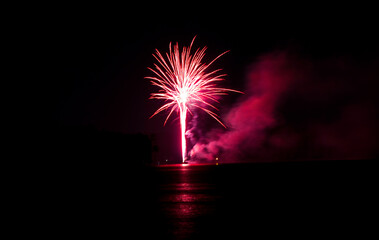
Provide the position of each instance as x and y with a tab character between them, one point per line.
237	201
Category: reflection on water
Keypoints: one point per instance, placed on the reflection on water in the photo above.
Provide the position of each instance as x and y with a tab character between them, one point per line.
244	201
187	201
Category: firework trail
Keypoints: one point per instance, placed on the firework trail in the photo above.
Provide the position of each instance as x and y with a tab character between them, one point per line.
186	84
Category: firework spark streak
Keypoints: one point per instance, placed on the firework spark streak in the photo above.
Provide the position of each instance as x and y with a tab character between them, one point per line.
186	84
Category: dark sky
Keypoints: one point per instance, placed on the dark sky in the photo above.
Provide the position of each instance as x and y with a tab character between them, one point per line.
100	57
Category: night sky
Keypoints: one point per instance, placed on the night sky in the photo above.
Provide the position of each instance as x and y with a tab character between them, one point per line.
325	57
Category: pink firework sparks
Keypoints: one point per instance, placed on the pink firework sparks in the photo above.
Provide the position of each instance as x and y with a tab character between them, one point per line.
185	84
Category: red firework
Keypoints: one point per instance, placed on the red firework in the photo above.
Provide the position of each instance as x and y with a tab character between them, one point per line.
185	84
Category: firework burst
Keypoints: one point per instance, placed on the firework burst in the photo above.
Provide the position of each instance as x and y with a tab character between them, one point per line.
185	83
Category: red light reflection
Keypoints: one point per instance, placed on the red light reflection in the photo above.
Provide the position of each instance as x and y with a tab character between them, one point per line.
186	200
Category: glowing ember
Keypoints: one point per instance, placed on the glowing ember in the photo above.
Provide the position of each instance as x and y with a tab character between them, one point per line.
185	83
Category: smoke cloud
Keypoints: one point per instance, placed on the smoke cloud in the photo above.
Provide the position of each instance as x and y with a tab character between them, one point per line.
296	108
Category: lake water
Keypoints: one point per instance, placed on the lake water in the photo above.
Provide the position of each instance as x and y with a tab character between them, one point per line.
237	201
